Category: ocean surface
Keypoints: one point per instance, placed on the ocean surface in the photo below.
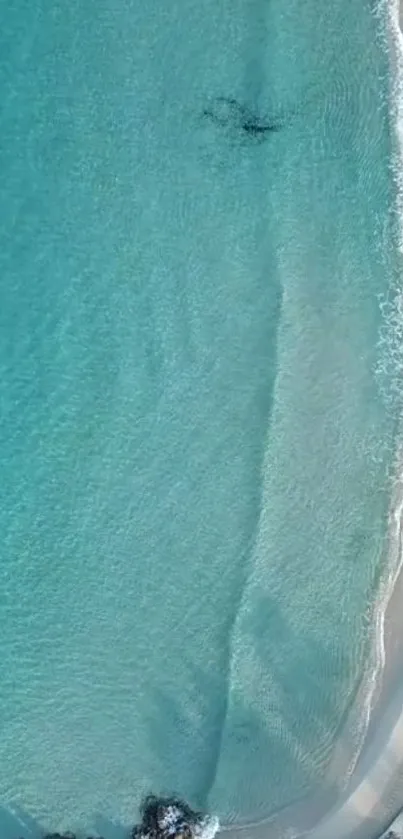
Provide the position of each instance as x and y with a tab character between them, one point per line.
197	412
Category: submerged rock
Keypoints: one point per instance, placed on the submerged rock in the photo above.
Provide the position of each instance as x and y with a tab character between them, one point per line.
64	836
165	818
171	818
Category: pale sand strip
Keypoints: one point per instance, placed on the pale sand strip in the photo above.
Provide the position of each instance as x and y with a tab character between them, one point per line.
374	795
377	784
397	827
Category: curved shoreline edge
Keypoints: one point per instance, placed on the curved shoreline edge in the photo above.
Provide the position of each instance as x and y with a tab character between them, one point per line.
374	796
372	799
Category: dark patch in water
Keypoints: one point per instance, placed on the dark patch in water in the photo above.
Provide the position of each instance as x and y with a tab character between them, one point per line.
64	836
162	818
227	112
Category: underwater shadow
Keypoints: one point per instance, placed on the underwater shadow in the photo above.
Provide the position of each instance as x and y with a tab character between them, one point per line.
322	668
308	717
180	746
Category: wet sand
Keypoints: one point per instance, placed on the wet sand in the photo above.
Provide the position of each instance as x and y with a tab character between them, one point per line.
374	795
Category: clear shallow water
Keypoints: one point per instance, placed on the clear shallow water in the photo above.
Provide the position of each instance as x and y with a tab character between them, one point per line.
193	440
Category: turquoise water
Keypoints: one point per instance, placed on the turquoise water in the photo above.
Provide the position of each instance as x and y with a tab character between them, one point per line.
194	436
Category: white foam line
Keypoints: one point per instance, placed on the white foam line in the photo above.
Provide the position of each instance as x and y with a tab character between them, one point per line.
378	788
385	753
373	790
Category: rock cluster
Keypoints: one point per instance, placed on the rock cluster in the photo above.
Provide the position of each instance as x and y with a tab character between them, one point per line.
165	818
171	818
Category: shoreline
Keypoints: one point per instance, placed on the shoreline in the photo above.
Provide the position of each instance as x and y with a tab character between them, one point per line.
372	799
373	796
373	791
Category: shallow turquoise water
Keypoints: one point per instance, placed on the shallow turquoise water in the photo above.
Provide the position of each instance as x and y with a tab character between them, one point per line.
194	443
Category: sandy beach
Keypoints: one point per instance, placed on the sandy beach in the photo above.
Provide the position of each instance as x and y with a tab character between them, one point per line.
374	796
